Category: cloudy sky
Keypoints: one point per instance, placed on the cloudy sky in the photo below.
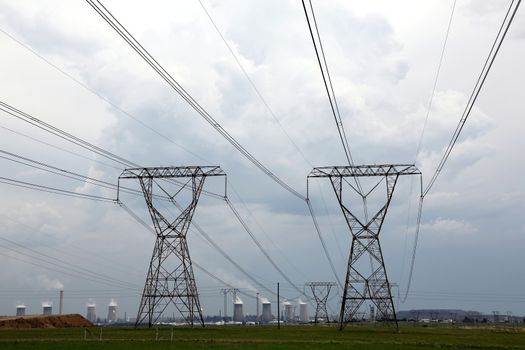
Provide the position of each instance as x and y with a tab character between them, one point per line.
60	62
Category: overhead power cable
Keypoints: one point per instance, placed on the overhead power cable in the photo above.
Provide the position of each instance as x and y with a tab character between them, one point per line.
252	84
43	166
325	249
259	245
99	95
507	21
69	174
152	62
206	237
498	41
23	116
48	259
418	149
327	80
125	112
54	190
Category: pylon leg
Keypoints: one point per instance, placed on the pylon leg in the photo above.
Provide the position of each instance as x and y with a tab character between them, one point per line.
170	279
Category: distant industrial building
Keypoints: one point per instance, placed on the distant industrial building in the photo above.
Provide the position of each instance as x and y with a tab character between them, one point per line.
21	310
288	311
303	312
47	308
112	311
238	315
266	311
91	314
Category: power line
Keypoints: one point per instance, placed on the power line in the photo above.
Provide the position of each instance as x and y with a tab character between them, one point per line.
325	249
64	264
421	198
327	80
54	190
152	62
502	32
69	174
99	95
258	244
252	84
498	41
207	238
32	120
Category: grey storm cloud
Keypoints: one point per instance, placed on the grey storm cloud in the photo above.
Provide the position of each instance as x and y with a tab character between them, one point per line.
378	68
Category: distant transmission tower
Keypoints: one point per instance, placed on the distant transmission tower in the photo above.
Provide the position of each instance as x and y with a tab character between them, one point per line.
365	252
321	291
170	279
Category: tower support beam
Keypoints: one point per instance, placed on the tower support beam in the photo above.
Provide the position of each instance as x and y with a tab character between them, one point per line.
321	292
365	284
170	280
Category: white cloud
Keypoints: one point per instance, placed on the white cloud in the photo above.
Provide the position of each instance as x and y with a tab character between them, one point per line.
449	227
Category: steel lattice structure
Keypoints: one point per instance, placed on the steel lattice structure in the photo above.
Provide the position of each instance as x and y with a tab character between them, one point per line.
359	284
170	279
321	291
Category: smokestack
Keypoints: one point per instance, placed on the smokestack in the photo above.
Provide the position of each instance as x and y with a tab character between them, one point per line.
61	303
257	301
21	310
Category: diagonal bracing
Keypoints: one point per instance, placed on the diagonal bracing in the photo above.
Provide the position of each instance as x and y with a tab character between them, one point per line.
170	280
371	283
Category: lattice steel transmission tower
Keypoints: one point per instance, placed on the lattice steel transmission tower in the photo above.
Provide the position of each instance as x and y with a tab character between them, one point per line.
170	279
360	284
321	291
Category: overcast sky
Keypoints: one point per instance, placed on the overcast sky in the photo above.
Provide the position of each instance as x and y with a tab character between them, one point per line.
383	58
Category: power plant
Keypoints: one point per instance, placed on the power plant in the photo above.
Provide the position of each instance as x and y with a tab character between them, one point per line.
112	311
288	311
266	311
303	312
20	310
91	314
238	315
47	308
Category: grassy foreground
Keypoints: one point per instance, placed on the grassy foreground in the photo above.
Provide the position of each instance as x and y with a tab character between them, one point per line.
266	337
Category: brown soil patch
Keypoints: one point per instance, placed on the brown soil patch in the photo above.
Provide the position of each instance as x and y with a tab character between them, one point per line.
39	321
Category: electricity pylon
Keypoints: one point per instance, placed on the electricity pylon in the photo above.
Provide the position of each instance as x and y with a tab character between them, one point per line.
321	291
361	285
170	279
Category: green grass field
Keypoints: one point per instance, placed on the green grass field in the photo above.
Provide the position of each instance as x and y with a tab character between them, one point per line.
269	337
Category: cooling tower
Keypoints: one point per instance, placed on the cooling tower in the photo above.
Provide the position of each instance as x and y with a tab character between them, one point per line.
266	311
238	316
47	308
20	310
112	311
91	312
303	312
288	313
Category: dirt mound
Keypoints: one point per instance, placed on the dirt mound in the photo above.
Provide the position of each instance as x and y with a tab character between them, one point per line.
39	321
